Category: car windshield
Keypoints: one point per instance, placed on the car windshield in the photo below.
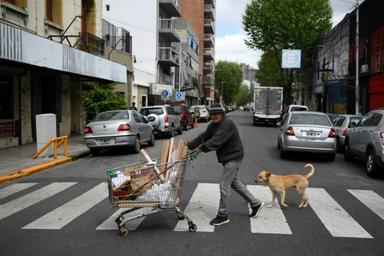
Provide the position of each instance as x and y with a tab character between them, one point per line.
196	108
178	109
111	115
353	121
148	111
298	109
310	119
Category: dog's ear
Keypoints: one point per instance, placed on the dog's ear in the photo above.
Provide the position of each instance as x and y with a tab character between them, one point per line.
267	174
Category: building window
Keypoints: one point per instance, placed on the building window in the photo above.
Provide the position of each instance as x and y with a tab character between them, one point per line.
53	11
18	3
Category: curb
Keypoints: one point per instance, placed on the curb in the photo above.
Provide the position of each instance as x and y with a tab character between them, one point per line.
31	170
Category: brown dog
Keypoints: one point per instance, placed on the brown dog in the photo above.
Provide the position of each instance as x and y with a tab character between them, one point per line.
281	183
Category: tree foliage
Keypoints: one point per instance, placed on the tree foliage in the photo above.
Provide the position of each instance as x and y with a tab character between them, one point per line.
101	98
273	25
228	76
244	96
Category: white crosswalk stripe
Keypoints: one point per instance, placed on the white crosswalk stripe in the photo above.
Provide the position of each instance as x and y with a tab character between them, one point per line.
370	199
14	188
66	213
110	224
270	220
202	208
32	198
338	222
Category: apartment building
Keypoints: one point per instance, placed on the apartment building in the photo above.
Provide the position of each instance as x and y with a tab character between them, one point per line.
201	14
249	78
118	48
48	50
156	46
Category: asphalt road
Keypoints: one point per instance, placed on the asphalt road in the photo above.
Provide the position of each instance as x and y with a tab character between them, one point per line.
345	217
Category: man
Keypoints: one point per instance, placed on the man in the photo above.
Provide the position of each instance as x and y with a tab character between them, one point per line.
133	106
223	137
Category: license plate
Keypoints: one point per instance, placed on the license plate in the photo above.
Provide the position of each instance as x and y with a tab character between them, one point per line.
106	141
313	134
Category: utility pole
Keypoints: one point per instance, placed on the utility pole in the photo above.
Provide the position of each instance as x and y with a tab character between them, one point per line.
357	83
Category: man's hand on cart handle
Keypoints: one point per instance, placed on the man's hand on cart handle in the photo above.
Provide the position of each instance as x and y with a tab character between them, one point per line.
195	152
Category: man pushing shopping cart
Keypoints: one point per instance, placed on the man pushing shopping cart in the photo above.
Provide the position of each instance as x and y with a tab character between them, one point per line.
223	137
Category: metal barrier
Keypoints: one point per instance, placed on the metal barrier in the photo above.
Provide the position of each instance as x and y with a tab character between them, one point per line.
57	142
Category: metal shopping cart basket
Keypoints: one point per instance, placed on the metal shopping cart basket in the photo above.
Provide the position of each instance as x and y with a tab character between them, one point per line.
153	185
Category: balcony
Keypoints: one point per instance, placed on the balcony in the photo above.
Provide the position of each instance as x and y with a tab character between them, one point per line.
209	26
171	7
210	2
208	80
210	11
168	57
209	54
167	30
209	40
91	44
208	67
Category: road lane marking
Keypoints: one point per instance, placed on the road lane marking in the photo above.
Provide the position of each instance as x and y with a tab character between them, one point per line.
110	224
370	199
69	211
32	198
338	222
270	220
14	188
202	208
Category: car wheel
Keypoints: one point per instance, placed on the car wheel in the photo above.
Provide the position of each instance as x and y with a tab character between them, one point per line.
371	165
136	145
172	132
347	152
180	131
283	153
338	145
278	144
151	142
95	151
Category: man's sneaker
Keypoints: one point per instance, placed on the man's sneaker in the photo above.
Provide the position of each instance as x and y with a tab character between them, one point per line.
219	221
256	210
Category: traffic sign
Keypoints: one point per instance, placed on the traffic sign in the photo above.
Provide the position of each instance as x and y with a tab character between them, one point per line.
180	96
164	93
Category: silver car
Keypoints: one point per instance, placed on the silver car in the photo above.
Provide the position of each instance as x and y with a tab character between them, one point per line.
307	132
342	125
118	128
201	111
164	119
366	141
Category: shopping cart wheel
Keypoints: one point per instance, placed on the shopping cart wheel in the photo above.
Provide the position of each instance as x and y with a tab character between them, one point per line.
180	216
123	231
192	227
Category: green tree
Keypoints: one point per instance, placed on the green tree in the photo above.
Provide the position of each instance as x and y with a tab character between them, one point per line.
273	25
244	96
98	98
228	78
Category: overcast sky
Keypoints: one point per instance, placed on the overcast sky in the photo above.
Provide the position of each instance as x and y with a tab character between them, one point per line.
230	35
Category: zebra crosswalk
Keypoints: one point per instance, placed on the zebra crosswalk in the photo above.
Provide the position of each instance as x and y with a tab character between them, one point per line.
201	207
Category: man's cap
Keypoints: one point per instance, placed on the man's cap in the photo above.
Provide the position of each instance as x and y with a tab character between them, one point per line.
216	109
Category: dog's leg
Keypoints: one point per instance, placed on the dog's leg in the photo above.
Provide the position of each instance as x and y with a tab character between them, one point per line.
301	193
272	203
282	199
306	201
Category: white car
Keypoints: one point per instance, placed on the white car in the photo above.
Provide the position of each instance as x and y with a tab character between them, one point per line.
296	108
203	112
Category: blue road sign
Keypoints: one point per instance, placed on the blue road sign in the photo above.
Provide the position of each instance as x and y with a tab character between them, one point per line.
164	93
180	96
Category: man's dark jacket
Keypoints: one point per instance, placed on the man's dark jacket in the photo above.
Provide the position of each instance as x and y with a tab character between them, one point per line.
223	138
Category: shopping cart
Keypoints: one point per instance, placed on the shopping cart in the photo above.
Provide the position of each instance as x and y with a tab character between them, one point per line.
154	185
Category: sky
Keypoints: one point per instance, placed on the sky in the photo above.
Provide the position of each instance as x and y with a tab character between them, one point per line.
230	34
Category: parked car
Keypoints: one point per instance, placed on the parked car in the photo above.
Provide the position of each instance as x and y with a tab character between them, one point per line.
306	131
164	119
296	108
202	112
118	128
185	116
366	141
342	125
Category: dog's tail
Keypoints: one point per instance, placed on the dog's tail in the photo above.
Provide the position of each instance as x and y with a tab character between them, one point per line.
311	169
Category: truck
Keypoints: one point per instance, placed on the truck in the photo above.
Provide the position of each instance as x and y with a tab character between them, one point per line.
268	105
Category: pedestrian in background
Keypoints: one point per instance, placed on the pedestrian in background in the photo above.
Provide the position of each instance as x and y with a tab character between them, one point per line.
223	137
132	107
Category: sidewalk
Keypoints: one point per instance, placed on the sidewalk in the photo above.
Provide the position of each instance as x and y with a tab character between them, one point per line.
18	158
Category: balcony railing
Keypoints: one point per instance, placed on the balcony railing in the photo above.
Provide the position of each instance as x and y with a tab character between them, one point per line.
210	10
208	80
92	44
209	53
171	7
169	29
168	56
209	40
209	26
208	66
